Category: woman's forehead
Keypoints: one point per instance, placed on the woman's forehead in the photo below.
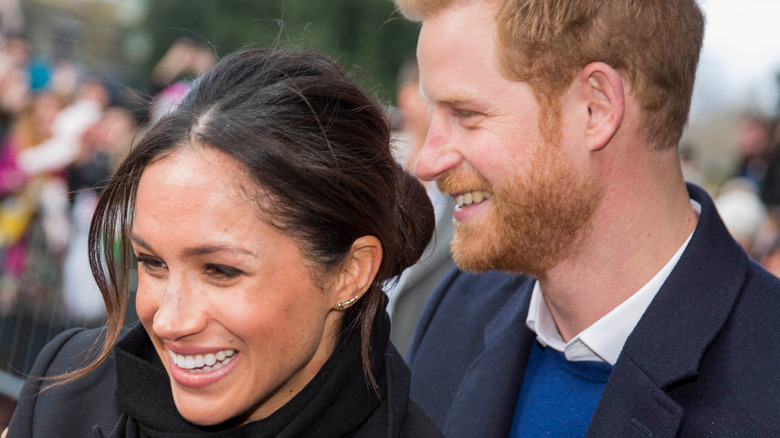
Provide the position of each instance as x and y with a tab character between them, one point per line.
197	167
198	197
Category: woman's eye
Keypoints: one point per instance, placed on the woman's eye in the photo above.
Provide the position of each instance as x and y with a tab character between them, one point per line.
151	265
222	272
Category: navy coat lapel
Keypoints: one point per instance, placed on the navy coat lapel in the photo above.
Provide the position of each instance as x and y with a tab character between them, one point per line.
666	347
497	371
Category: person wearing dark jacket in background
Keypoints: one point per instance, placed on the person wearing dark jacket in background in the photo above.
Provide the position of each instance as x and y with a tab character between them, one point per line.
265	214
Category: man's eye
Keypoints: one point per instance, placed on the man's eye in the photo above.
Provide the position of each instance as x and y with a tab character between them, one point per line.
468	118
466	114
222	272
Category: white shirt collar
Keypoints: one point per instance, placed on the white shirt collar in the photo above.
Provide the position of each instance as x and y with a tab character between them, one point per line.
603	341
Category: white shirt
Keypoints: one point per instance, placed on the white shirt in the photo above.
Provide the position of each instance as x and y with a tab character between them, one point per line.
603	340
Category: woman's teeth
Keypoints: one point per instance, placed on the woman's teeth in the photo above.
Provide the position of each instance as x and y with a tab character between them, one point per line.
202	362
472	198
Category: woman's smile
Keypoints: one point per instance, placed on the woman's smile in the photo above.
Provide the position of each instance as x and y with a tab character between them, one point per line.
198	371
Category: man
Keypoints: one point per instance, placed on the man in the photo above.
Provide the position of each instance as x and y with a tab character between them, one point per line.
555	128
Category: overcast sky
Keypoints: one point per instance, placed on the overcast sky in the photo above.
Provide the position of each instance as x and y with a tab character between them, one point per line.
741	56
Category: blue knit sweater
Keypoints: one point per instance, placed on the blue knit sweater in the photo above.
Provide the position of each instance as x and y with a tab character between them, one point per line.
557	397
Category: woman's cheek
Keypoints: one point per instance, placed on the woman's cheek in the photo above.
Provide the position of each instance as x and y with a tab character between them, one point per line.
145	304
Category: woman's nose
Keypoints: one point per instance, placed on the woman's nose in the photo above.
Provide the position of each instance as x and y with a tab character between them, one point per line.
181	312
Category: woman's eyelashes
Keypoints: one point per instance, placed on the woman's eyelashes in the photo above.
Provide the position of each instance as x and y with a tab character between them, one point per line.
151	265
222	272
155	266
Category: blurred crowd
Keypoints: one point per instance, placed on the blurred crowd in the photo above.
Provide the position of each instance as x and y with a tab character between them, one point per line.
61	132
749	201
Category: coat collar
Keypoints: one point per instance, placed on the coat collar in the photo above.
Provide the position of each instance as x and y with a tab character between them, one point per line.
668	343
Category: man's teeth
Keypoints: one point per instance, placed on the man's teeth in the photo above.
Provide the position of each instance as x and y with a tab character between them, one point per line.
203	362
472	198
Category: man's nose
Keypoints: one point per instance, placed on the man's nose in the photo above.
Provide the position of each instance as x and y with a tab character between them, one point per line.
439	153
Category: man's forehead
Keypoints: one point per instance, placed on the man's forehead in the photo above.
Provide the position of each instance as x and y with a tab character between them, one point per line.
455	35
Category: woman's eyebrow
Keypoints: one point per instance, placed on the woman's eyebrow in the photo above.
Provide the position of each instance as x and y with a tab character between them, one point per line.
140	242
209	249
199	250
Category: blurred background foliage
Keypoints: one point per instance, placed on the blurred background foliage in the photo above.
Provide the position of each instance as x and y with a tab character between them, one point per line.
123	39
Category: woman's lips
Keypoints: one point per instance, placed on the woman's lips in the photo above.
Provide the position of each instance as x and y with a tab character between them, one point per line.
199	370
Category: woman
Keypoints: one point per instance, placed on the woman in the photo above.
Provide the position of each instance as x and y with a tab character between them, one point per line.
265	214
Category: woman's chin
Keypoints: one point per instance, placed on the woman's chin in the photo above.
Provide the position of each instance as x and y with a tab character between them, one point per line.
201	412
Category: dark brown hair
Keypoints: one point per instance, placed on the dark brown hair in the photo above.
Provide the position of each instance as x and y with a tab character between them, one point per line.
316	145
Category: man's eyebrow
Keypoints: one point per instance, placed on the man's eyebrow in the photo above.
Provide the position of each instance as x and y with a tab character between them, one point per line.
454	97
457	98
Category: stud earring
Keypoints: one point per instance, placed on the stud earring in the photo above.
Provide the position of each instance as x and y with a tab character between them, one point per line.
345	304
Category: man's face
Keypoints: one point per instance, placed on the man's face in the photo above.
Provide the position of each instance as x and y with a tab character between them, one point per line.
522	201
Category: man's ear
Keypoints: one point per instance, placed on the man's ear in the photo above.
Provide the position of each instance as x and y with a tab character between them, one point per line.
602	89
358	271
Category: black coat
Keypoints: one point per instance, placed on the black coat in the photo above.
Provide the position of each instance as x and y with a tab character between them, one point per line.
129	395
704	360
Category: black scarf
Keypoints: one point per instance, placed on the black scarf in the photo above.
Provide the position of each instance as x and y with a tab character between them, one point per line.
334	404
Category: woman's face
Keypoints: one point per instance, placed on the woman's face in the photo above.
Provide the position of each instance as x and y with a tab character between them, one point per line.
228	301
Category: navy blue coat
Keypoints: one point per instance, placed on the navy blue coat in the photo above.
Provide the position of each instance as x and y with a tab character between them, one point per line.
704	360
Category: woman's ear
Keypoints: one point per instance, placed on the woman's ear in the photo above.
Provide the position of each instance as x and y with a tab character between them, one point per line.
358	272
601	89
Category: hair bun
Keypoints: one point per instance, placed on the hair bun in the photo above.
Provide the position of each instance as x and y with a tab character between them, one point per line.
414	219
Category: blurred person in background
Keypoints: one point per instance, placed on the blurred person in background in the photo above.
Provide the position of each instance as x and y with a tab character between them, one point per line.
59	151
754	145
56	153
409	294
172	75
20	195
14	79
739	206
59	70
102	145
770	187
